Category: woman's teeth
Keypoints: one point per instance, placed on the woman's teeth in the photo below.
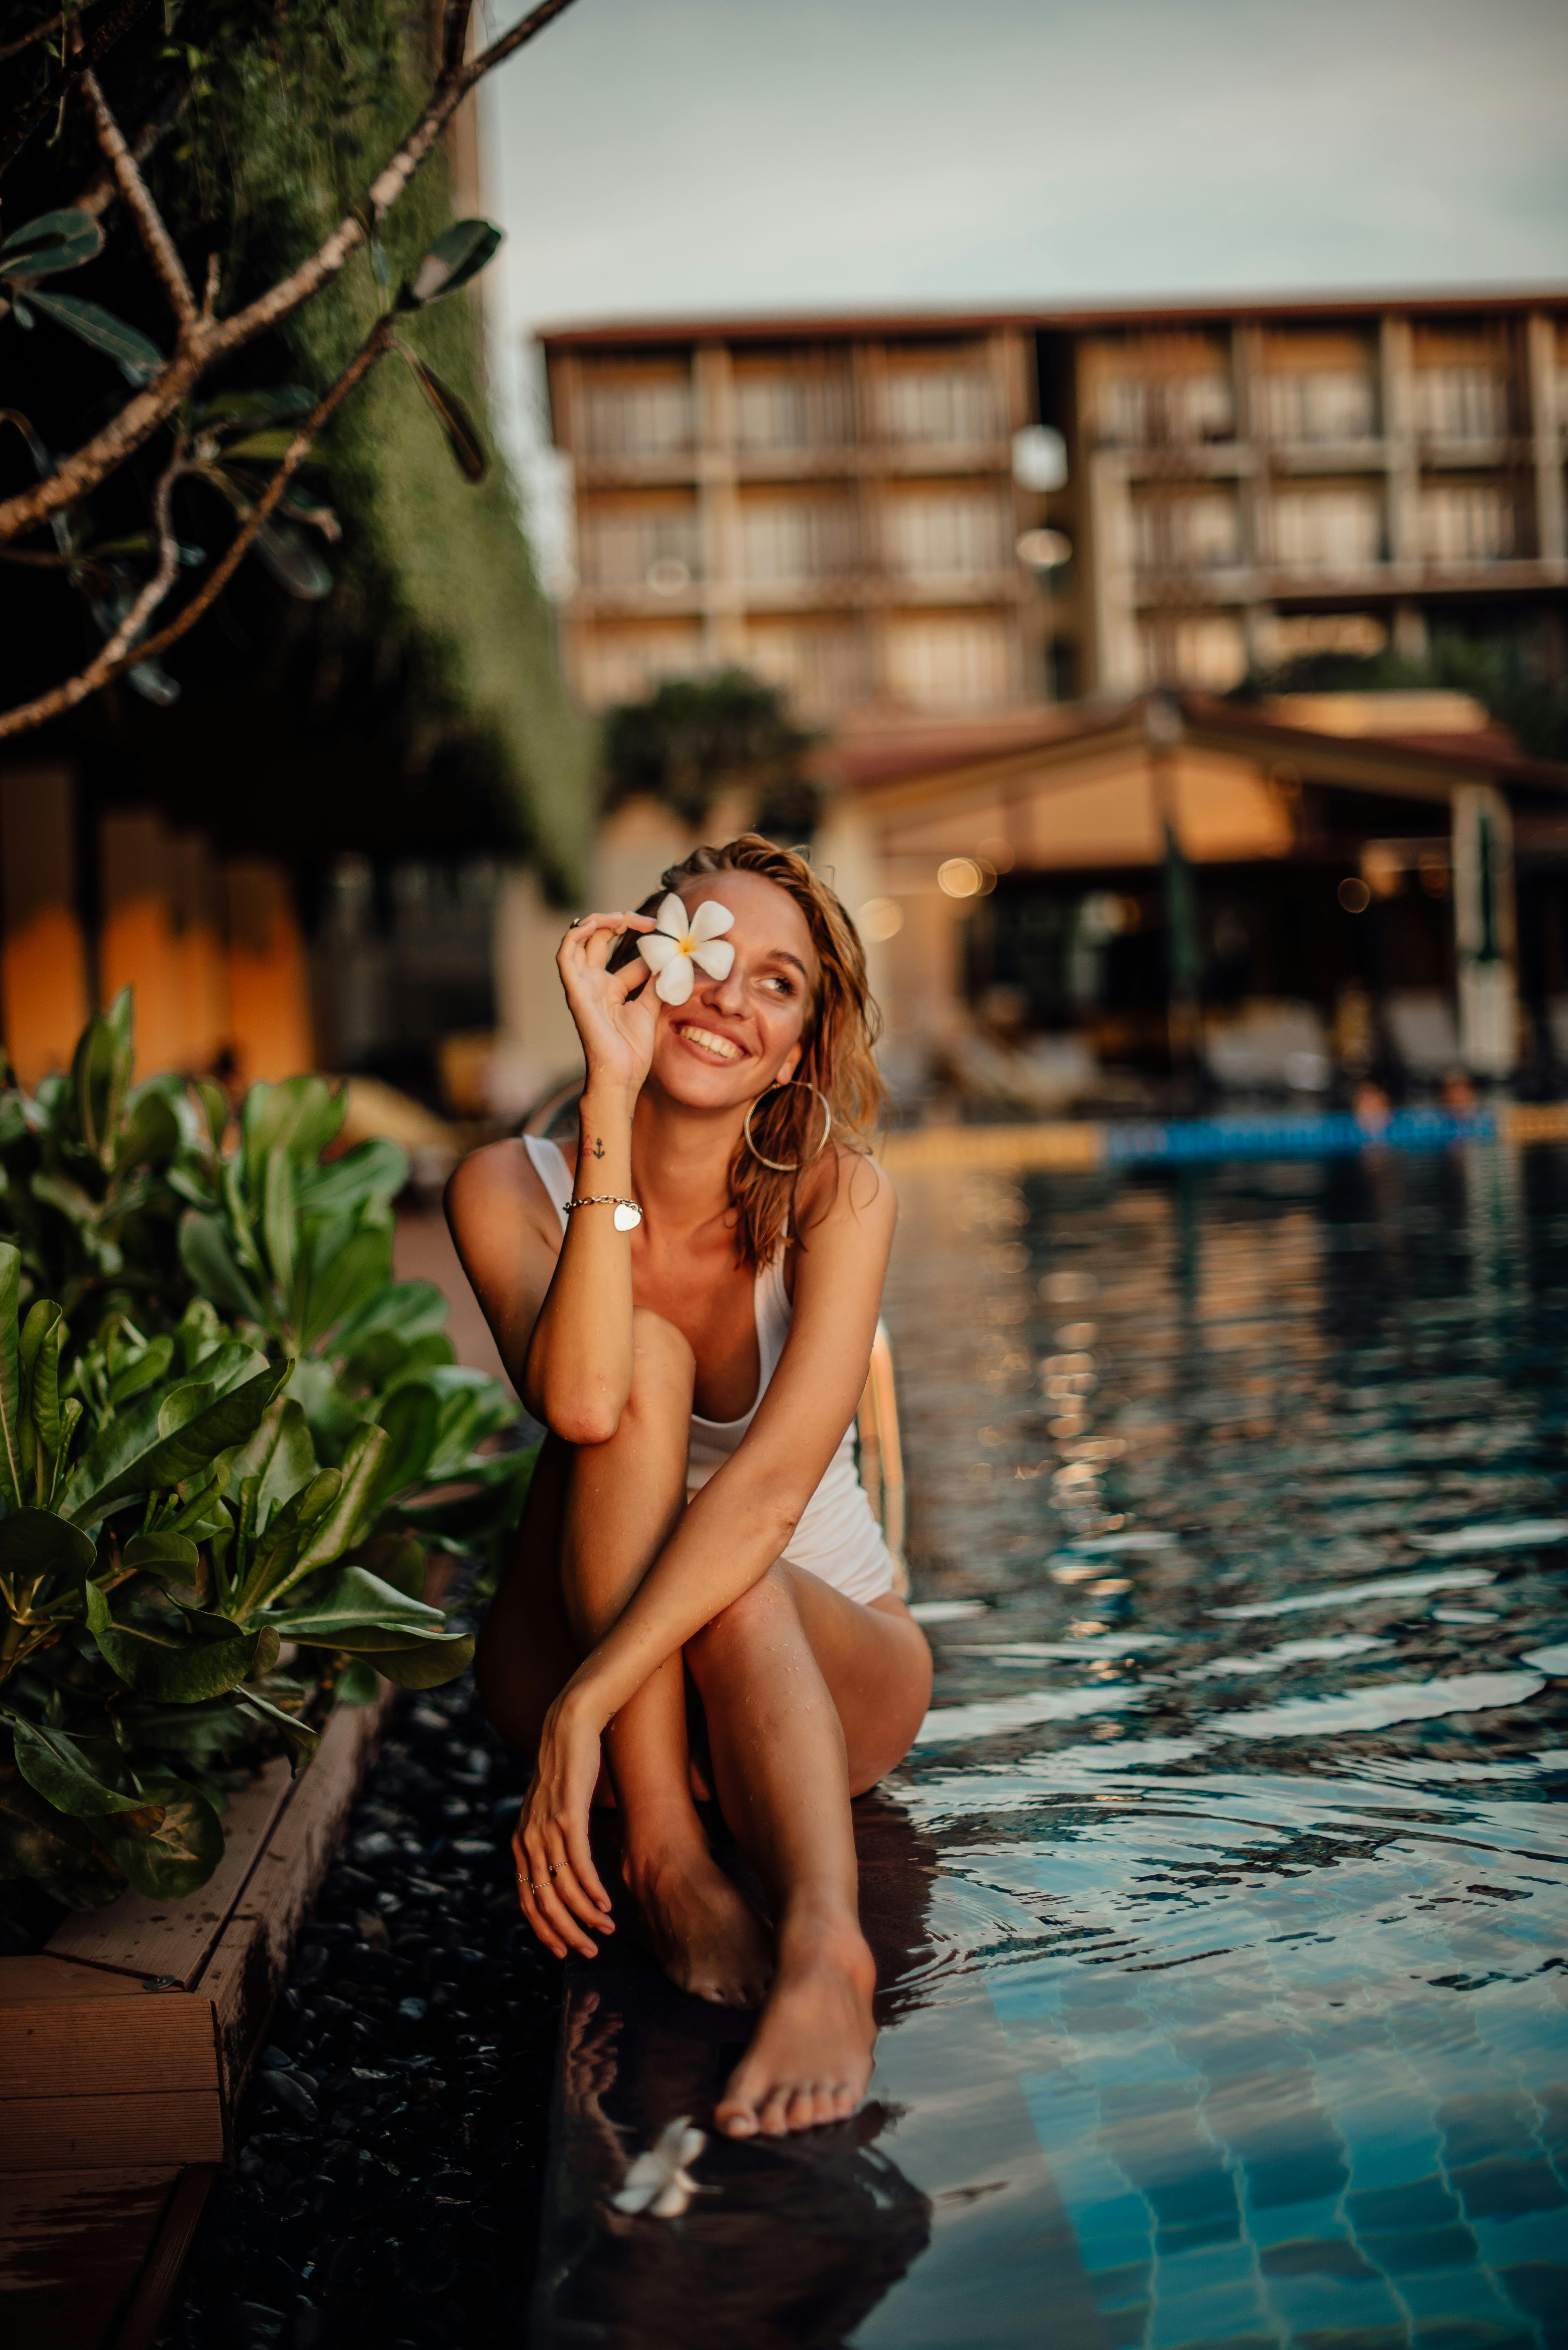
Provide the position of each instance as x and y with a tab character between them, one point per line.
720	1046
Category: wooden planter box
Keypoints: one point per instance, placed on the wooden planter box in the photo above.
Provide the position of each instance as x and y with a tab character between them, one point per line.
124	2048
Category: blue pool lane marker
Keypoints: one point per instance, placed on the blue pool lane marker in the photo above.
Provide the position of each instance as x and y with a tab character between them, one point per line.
1182	1140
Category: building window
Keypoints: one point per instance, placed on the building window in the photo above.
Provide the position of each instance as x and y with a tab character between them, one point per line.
1466	522
1208	650
1199	533
821	665
813	410
1321	404
798	538
625	550
949	532
654	418
1323	530
623	665
963	660
1137	411
953	406
1461	403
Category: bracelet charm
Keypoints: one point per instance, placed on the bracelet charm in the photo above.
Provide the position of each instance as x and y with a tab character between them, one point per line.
628	1214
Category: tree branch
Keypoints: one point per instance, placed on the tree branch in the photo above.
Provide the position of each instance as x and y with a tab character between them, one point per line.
41	32
26	120
454	34
158	242
102	188
206	340
123	652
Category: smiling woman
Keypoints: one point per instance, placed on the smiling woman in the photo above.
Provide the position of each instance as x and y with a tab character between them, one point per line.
696	1517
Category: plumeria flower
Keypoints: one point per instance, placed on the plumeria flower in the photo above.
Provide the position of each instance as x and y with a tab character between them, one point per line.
683	940
658	2181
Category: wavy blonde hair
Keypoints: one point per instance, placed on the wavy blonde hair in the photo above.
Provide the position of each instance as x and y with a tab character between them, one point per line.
842	1025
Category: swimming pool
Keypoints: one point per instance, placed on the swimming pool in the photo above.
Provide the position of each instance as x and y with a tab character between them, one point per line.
1240	1517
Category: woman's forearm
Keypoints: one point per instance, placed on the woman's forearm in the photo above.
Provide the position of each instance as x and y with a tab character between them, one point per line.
728	1537
577	1374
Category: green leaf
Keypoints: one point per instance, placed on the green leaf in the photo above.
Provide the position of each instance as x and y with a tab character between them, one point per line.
39	1356
141	1369
278	1215
231	409
395	1559
162	1440
101	1073
342	1288
171	1844
137	359
10	1377
36	1841
53	1763
458	254
353	1603
356	1684
290	1529
351	1512
428	1664
215	1104
409	1310
54	241
205	1254
412	1417
376	1169
151	1133
198	1657
463	438
36	1541
264	447
303	1114
281	1454
162	1552
297	1736
292	561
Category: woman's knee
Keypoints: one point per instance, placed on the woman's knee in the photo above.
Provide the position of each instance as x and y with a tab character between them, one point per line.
754	1617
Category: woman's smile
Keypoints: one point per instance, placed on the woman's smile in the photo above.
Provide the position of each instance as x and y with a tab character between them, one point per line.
708	1040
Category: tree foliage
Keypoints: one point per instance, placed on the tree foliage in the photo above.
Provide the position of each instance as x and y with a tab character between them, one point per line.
692	738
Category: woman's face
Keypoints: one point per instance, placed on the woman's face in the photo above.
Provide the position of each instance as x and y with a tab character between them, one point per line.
731	1037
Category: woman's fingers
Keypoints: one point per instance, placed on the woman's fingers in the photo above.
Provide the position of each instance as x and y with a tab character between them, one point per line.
573	1870
580	1858
546	1893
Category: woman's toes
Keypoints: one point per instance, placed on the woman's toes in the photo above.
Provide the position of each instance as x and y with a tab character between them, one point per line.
802	2111
824	2107
736	2118
773	2119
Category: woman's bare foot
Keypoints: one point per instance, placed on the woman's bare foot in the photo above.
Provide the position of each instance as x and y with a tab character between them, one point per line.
810	2059
702	1929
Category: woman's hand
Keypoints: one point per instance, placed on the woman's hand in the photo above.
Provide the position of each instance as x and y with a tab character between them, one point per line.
615	1024
557	1883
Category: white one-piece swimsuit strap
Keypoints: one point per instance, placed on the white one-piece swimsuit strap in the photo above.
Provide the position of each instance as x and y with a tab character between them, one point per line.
836	1537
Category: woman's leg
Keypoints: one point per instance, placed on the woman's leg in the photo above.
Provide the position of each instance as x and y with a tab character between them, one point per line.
604	1512
809	1697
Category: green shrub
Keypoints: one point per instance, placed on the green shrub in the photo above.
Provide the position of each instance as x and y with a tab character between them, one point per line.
227	1437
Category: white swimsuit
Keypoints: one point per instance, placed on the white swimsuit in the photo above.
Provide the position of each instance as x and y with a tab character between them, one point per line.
836	1537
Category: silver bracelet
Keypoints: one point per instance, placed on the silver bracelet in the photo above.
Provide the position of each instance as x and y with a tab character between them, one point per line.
628	1214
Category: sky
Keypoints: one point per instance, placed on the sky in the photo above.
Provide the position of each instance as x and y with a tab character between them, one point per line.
651	157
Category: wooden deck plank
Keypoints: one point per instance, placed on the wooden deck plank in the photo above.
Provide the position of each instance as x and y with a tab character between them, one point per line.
76	2230
43	2134
26	1981
96	2047
159	2278
139	1936
247	1966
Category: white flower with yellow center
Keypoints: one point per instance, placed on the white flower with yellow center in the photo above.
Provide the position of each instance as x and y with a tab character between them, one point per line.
683	940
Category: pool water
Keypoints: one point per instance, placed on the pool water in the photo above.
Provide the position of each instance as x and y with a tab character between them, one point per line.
1240	1524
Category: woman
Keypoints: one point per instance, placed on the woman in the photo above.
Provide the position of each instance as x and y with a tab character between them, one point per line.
687	1301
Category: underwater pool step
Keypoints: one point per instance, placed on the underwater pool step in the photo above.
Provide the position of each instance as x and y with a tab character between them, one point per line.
1079	1146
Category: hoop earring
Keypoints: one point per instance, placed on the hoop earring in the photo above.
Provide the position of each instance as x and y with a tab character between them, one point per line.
793	1166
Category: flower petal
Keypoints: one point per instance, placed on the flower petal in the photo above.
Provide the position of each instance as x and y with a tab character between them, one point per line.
673	984
655	949
711	919
671	917
717	957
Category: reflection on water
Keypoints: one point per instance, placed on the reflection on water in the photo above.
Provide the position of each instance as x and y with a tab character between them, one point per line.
1240	1493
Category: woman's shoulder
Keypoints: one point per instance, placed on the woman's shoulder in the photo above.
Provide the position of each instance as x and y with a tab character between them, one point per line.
846	1184
498	1178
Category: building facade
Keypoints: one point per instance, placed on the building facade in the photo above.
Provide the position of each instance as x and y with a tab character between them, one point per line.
833	504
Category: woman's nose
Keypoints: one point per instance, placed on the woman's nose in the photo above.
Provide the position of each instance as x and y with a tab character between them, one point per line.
727	996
